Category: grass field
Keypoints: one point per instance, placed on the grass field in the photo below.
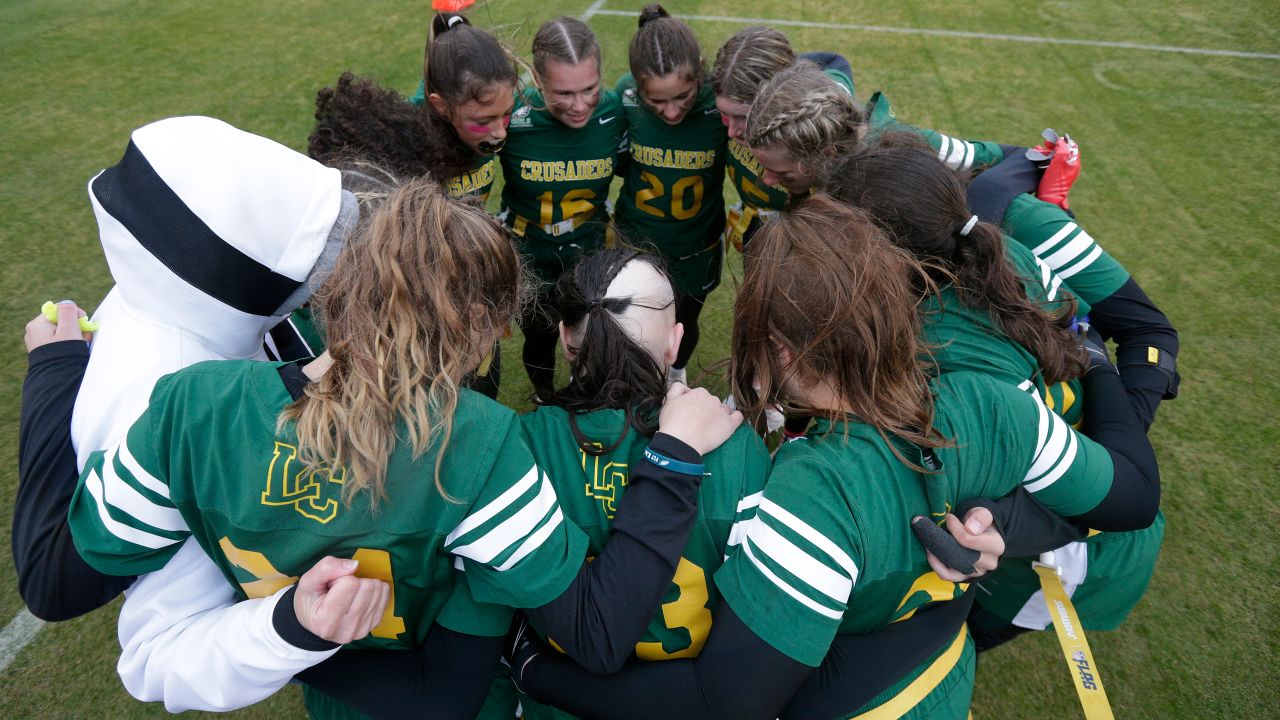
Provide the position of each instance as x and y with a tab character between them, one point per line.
1181	152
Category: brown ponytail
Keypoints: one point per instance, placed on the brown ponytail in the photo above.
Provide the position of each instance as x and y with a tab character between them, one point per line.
664	45
921	204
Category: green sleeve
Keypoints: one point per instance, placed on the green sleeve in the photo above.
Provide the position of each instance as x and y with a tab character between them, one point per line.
957	154
792	575
515	546
122	519
463	613
1054	237
1044	286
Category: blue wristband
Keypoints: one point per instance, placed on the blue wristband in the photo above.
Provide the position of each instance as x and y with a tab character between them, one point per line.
673	465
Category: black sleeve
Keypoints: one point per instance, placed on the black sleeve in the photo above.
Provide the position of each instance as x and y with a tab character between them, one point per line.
53	580
827	60
990	193
1109	420
1028	528
1138	327
737	675
447	678
602	615
857	668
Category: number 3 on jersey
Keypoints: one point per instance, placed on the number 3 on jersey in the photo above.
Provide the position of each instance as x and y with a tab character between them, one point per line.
682	206
689	611
373	564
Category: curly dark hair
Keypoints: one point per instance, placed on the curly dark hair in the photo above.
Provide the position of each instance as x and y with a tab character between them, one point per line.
359	121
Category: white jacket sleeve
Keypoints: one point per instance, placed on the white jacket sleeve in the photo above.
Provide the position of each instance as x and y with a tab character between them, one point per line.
187	641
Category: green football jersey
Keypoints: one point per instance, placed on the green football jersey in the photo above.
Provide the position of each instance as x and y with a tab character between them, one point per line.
831	549
589	488
672	193
556	180
479	179
1053	235
957	154
205	460
964	338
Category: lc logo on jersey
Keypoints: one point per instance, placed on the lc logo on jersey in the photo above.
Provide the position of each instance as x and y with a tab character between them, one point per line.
605	479
314	492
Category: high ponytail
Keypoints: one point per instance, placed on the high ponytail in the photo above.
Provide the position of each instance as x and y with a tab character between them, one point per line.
664	45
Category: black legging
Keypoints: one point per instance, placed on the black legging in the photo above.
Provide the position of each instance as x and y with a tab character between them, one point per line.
688	308
539	353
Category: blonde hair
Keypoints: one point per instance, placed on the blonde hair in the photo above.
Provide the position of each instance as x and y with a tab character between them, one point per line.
419	292
747	60
805	112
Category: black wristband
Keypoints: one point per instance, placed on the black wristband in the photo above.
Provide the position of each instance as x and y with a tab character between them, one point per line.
57	351
290	629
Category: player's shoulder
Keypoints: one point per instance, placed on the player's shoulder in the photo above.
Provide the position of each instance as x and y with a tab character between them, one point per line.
219	377
627	92
480	416
610	102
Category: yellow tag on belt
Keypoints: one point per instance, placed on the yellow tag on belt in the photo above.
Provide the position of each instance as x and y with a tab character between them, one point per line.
1075	648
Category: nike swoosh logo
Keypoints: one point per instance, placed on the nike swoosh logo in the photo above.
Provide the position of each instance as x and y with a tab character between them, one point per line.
606	121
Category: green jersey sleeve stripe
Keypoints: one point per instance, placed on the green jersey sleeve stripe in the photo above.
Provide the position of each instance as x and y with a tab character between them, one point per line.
534	541
807	532
93	483
1043	248
786	588
745	514
1056	449
144	478
515	529
802	565
119	494
1049	280
1081	263
478	518
956	154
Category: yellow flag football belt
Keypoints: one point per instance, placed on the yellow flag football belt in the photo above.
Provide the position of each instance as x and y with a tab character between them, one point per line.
1075	648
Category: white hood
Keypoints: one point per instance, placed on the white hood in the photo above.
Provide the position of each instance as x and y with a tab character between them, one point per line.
210	233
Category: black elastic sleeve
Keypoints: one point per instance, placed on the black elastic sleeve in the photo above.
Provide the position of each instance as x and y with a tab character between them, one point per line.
990	193
53	580
737	675
857	668
1110	421
447	678
284	618
1028	528
1130	318
602	615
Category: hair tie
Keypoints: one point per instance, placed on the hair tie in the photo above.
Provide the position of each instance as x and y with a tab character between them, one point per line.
455	19
973	220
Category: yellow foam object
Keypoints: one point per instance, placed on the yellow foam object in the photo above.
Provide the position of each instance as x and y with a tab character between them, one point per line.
50	311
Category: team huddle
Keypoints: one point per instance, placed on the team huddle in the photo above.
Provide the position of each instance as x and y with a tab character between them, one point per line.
290	455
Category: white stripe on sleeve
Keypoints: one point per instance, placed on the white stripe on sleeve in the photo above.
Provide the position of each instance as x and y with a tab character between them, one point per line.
93	483
819	540
1078	246
140	474
514	529
478	518
1064	464
1057	237
1084	262
782	585
1053	440
534	541
944	147
119	495
799	563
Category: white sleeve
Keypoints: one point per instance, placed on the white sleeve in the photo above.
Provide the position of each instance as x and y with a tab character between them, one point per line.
185	640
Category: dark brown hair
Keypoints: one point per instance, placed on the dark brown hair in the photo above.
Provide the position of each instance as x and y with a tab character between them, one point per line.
359	122
921	204
828	287
664	45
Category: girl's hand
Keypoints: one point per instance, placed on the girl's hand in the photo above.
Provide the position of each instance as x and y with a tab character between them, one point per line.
40	331
697	418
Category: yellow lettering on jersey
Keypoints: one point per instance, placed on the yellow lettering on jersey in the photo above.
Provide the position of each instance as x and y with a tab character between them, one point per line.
689	611
305	490
673	159
473	181
269	579
743	155
606	478
566	171
935	588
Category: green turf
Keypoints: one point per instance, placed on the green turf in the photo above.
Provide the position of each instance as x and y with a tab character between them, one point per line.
1180	153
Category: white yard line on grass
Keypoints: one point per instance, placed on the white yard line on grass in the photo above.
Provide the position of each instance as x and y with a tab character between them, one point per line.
598	9
593	10
19	633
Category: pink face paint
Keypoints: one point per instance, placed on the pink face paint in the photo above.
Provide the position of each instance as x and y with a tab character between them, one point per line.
477	129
